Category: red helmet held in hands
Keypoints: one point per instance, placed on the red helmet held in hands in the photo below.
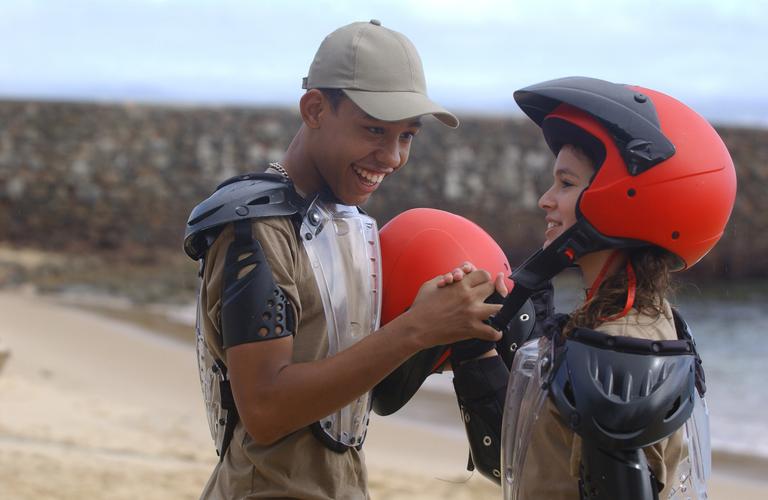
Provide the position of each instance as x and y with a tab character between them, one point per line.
422	243
663	175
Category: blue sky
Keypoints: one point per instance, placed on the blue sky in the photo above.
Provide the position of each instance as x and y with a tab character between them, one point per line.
710	54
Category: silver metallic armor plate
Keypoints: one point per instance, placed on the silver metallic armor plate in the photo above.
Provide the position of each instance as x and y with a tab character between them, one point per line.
693	472
343	249
212	376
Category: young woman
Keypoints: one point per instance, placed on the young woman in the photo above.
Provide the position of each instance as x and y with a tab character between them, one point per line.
600	405
625	295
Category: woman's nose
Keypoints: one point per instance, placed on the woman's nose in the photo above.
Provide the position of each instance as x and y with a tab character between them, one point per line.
547	201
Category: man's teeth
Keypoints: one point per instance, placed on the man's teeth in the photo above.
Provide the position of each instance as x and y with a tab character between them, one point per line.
550	225
369	176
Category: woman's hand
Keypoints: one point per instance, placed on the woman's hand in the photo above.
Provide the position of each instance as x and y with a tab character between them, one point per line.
467	267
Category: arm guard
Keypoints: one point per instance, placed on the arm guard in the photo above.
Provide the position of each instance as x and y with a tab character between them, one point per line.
398	387
481	387
253	307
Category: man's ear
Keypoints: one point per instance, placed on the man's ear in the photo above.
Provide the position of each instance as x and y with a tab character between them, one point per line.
311	106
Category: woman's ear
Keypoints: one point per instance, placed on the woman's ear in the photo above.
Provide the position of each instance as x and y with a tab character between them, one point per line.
311	106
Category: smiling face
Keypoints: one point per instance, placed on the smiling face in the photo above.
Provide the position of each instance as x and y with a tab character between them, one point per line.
572	173
354	152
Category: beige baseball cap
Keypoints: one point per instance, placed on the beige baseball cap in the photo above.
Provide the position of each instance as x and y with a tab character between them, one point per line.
378	69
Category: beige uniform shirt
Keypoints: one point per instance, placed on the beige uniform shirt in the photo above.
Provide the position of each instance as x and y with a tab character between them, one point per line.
554	453
297	466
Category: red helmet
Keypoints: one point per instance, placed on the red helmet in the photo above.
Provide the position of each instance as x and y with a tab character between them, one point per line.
422	243
663	175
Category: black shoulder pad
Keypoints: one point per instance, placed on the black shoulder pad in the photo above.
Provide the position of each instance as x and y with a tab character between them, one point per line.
684	333
623	392
253	307
243	197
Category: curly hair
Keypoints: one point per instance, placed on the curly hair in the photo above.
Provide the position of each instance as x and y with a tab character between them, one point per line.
654	284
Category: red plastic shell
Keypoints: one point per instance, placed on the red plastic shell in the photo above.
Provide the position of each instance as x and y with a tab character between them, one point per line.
681	204
422	243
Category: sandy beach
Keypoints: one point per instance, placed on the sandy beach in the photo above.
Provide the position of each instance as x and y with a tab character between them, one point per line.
97	408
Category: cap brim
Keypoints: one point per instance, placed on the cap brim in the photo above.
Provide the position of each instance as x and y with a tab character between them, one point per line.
397	106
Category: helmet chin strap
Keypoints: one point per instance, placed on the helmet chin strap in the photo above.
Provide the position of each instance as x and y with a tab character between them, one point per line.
577	241
631	285
541	267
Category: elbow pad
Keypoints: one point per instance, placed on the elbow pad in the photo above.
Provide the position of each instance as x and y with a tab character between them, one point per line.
481	387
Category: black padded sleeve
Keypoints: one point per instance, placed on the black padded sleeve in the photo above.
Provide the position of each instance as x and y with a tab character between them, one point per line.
481	387
253	307
398	387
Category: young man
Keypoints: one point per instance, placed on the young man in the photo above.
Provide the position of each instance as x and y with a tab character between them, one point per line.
291	281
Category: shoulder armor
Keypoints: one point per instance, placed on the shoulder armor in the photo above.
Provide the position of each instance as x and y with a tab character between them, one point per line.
242	197
623	392
684	333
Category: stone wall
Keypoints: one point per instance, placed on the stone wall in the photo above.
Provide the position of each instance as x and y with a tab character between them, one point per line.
114	178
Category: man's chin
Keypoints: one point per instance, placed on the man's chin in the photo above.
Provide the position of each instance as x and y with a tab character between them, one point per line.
353	200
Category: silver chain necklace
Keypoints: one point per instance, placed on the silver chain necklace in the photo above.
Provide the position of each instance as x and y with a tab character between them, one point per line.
280	169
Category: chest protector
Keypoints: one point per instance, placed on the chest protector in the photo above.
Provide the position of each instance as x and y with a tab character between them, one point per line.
236	201
343	249
620	395
217	394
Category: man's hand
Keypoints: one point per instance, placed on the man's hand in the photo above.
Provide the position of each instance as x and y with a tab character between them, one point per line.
472	348
443	314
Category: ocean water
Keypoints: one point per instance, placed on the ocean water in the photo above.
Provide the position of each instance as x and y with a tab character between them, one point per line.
731	339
